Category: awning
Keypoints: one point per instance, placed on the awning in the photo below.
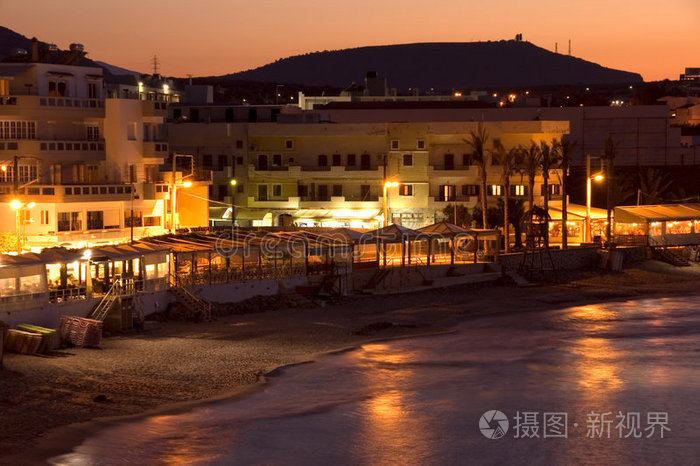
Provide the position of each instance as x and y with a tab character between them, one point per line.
657	213
245	214
313	213
575	212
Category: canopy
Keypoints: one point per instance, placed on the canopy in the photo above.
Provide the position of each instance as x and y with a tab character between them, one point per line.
443	229
390	234
575	211
657	213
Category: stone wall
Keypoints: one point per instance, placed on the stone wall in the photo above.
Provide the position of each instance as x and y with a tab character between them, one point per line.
563	259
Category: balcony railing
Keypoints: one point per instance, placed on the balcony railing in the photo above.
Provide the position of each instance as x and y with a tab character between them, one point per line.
71	192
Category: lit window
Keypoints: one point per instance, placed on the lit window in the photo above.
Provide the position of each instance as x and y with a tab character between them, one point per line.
406	190
496	190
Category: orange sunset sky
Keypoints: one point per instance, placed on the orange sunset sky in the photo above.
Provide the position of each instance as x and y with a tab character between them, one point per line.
657	39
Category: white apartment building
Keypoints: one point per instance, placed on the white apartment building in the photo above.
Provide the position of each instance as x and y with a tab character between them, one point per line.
77	169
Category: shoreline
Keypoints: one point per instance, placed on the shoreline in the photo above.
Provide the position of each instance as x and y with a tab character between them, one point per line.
269	341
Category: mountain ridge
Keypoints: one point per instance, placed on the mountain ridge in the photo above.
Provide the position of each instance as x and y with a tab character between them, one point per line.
439	65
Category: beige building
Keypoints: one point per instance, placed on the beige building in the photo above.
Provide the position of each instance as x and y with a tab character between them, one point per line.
77	169
334	175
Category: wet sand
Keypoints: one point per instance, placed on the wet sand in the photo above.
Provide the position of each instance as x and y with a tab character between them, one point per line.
170	363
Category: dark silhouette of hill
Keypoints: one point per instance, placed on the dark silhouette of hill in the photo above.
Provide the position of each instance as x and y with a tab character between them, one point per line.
11	41
442	66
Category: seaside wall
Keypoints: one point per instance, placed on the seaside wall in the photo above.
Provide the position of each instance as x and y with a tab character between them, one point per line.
415	276
235	292
564	259
50	314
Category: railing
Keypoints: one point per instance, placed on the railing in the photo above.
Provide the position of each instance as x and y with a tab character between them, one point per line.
632	240
67	294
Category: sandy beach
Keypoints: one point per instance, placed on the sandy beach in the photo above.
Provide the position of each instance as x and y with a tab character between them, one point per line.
174	362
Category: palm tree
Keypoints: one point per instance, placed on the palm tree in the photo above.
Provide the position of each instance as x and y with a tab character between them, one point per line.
548	160
609	156
531	165
565	147
477	141
654	186
509	160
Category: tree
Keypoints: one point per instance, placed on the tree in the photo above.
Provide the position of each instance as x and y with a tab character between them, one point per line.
509	160
531	165
654	186
565	147
477	141
609	156
464	218
548	160
516	216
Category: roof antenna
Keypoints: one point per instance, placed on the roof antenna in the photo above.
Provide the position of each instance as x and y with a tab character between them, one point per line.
155	64
556	47
569	47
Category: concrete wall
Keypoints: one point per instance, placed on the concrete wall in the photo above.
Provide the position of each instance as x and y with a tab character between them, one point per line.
409	277
235	292
564	259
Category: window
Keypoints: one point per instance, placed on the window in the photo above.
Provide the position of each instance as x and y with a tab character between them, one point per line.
223	192
95	220
322	160
351	160
364	192
69	221
277	190
58	88
336	160
44	217
223	161
406	190
239	160
420	145
364	162
277	160
93	91
302	190
262	162
554	189
289	144
207	161
132	173
470	190
394	144
467	160
518	190
337	190
446	193
496	190
407	160
239	144
132	221
323	192
10	129
262	192
131	131
449	162
151	221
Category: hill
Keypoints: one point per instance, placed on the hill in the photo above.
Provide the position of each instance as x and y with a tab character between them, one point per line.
442	66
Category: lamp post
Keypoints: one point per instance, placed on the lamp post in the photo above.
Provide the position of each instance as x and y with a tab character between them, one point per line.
187	184
387	185
18	206
233	203
597	177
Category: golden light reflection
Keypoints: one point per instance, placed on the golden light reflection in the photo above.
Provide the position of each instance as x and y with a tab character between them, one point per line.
380	353
388	407
179	446
597	370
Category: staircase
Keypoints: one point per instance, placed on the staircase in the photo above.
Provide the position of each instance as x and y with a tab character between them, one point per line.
667	256
519	279
105	305
199	308
377	279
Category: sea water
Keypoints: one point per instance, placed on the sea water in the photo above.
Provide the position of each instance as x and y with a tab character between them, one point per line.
610	383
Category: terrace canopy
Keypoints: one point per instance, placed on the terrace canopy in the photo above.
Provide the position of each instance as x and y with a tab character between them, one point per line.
392	235
667	224
445	230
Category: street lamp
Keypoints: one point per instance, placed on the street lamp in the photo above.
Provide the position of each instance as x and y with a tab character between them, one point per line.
233	203
18	206
387	185
596	177
186	184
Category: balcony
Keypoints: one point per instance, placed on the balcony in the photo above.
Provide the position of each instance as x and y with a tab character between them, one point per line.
67	193
151	108
65	150
296	171
33	101
155	149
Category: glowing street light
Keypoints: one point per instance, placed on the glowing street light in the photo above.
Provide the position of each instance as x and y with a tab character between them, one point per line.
596	177
18	206
387	185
